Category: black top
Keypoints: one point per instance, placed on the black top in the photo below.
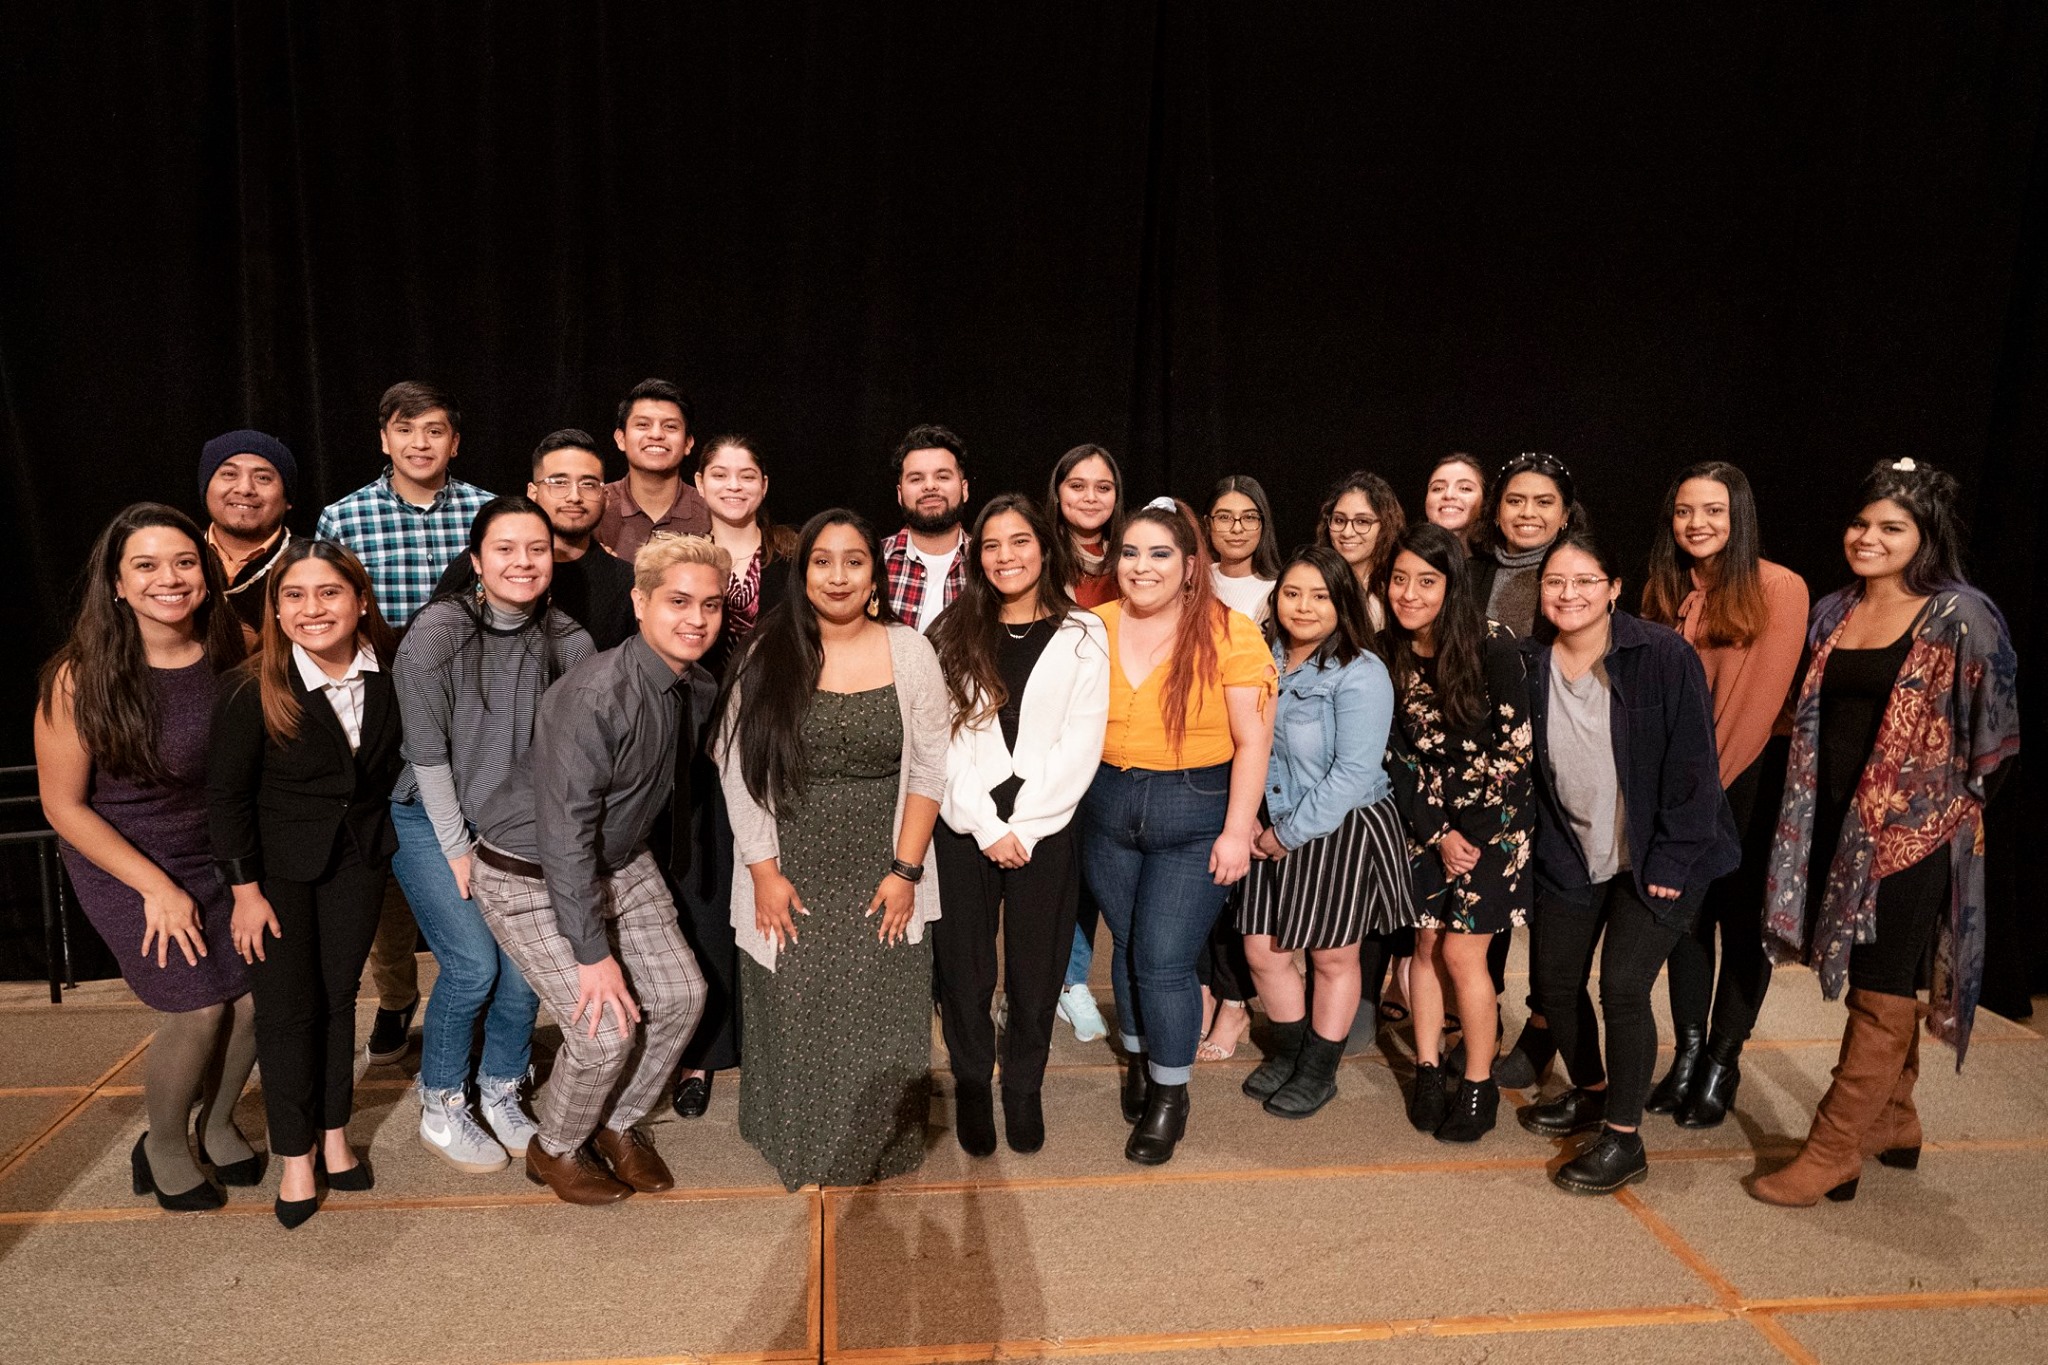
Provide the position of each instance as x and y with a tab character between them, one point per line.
1016	656
1854	692
593	591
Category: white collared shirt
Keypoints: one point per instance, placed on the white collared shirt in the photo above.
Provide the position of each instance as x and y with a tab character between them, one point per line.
344	694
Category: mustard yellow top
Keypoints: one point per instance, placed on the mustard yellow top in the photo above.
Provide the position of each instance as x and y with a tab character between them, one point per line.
1137	722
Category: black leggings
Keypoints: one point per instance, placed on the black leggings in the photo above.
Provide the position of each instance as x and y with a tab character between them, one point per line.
1734	905
1222	966
1566	929
305	989
1910	904
1034	907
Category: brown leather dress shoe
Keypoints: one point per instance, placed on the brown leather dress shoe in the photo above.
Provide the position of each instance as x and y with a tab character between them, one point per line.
633	1159
578	1178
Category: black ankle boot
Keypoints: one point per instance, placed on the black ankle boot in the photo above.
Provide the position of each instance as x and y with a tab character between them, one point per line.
1677	1083
1523	1064
1268	1076
1023	1121
1136	1079
142	1180
1314	1082
1472	1113
1713	1087
1426	1102
974	1117
1160	1127
1574	1111
1613	1160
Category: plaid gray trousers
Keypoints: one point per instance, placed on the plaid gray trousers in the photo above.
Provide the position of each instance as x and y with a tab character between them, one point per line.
585	1089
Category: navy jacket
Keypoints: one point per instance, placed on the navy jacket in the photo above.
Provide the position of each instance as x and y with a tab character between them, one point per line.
1680	831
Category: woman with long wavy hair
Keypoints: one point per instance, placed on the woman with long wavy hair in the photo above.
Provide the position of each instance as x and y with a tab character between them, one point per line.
1746	617
1168	822
832	755
122	726
1361	519
1027	673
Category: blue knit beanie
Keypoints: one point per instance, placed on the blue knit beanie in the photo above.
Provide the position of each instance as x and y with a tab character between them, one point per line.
223	448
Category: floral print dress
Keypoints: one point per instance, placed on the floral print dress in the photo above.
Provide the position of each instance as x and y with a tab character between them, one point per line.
1474	780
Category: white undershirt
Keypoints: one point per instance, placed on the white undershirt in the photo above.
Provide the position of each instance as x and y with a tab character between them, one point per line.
936	567
344	694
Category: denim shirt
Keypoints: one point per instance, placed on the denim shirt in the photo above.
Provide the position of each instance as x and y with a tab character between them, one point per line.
1329	745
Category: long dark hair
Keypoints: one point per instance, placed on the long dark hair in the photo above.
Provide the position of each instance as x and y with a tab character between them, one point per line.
1265	557
1734	612
1194	661
1551	468
1477	526
776	673
542	624
968	633
1929	496
777	542
103	663
1385	506
1354	634
1458	634
271	666
1066	561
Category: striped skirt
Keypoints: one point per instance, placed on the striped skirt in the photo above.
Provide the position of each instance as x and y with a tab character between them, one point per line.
1334	890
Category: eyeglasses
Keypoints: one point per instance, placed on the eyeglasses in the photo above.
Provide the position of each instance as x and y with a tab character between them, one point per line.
1583	584
1340	523
561	483
1248	521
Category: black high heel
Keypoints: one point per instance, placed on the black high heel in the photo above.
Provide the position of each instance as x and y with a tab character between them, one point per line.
356	1178
1844	1192
198	1199
293	1212
248	1171
1900	1158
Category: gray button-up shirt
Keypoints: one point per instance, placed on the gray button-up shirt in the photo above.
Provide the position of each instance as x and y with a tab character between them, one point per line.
583	798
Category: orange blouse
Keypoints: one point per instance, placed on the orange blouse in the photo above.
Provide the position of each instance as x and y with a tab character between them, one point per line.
1750	684
1137	735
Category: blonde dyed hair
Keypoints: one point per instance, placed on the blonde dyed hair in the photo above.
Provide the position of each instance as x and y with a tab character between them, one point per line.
665	549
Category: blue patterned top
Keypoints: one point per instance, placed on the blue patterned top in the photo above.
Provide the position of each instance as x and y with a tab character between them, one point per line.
404	548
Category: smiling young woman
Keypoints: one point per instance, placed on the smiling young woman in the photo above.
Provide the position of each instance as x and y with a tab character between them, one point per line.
1361	519
1906	722
1455	498
1534	503
1747	619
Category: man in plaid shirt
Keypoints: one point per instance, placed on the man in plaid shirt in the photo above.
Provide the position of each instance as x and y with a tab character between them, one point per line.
931	488
406	527
413	521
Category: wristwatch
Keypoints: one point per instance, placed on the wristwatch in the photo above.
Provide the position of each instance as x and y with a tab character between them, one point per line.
910	872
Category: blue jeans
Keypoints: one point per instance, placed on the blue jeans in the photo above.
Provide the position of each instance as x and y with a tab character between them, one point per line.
1082	959
1145	842
475	971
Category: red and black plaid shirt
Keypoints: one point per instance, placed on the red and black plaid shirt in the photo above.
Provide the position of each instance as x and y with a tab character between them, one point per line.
906	577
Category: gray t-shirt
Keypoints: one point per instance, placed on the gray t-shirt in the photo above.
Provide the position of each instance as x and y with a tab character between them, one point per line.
1582	763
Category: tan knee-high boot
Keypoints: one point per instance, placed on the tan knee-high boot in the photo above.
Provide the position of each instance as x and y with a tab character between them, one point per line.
1880	1033
1895	1138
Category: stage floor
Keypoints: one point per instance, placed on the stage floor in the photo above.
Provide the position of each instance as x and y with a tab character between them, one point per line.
1345	1238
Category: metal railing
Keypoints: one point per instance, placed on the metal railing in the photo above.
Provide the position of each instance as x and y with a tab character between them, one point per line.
51	883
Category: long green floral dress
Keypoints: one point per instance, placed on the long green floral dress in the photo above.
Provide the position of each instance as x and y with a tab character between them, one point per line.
835	1082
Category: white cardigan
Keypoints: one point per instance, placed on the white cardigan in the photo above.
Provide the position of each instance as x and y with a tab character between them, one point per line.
1060	724
921	701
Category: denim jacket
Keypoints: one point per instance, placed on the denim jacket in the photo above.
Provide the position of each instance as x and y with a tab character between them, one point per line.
1329	745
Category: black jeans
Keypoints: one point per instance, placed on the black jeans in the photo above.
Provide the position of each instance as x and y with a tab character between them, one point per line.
1735	906
1567	927
305	990
1034	907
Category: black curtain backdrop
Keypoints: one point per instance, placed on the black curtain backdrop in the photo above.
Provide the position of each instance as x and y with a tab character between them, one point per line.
1216	238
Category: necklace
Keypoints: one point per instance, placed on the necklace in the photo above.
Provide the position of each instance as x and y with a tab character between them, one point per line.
1018	634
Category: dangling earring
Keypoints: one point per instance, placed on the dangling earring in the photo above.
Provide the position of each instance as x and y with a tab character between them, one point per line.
874	603
479	593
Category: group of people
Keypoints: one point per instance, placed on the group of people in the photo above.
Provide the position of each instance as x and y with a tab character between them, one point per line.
713	789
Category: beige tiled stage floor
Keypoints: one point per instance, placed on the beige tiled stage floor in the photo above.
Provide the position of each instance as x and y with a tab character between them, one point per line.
1347	1238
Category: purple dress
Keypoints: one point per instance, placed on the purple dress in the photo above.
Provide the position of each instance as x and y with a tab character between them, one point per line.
167	825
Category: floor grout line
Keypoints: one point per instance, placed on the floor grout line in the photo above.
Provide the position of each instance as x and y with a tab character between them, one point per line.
57	1125
454	1203
823	1308
1719	1285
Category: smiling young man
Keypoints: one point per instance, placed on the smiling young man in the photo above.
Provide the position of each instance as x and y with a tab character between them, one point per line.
565	880
592	586
654	434
923	561
246	482
406	527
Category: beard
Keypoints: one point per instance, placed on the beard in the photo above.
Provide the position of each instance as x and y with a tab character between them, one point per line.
933	523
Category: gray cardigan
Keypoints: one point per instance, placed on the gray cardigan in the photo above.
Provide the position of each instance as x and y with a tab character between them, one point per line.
927	727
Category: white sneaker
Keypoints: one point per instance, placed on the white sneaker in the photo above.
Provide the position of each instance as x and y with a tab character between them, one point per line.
448	1131
499	1099
1077	1007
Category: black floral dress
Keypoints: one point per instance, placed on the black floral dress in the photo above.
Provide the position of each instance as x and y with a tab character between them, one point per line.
1475	781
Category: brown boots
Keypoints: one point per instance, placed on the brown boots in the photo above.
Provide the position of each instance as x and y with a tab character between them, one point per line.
1867	1111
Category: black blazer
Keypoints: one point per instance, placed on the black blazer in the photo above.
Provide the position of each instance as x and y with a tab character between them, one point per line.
280	810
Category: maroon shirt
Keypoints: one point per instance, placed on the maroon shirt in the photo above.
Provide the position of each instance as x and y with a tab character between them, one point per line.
623	528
